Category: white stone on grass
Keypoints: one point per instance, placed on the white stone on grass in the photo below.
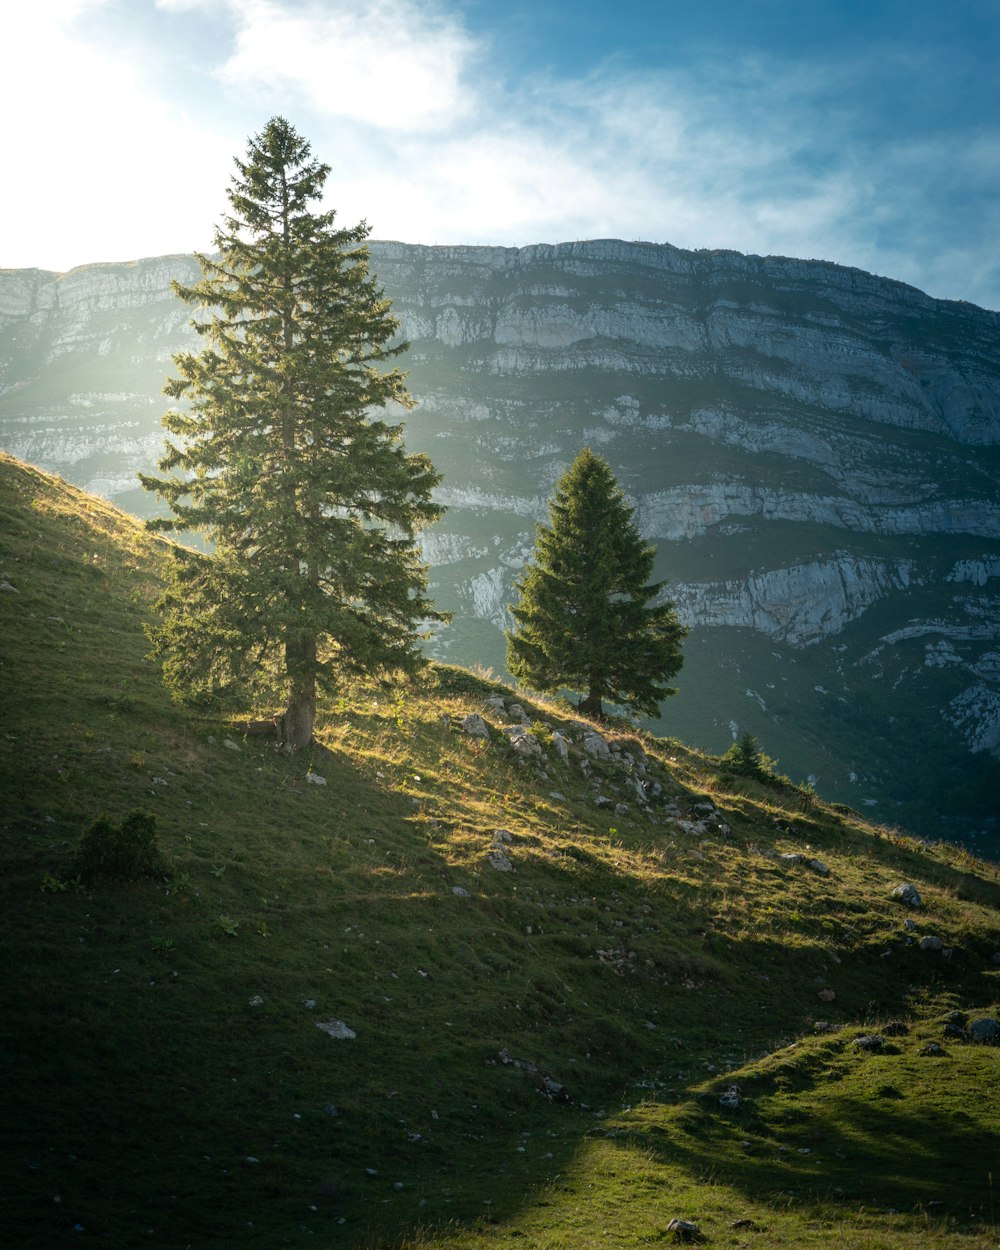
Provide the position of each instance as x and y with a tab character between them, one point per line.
336	1029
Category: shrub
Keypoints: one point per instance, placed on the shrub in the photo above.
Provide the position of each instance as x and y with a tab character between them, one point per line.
125	851
746	759
745	756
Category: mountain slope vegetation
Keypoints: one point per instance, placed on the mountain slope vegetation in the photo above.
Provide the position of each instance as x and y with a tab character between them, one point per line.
422	987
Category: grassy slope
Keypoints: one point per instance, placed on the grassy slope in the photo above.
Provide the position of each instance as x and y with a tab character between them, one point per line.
642	967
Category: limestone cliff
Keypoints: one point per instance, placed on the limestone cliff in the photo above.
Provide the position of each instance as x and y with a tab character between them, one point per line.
815	451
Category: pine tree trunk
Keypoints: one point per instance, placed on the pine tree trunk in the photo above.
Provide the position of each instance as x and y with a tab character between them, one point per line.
591	706
295	724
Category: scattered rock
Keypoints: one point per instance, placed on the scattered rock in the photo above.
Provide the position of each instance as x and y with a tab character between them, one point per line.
336	1029
460	892
731	1098
909	924
685	1230
930	943
7	589
230	745
985	1030
555	794
621	809
907	893
496	703
561	745
523	742
791	857
637	788
517	712
256	1001
314	779
499	861
331	1110
596	746
310	1004
819	867
475	726
502	836
870	1042
826	995
554	1090
951	1029
896	1028
932	1048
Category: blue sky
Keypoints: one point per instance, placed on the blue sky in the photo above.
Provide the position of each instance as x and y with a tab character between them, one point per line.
867	134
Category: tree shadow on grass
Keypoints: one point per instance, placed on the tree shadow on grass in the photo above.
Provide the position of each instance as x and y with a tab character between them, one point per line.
845	1135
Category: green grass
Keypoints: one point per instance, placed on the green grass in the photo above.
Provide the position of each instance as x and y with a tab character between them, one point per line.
641	967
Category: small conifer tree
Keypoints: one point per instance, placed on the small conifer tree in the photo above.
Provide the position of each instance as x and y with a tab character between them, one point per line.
585	620
308	498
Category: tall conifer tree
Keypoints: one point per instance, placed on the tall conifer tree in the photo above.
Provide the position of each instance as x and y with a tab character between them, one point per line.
281	459
585	621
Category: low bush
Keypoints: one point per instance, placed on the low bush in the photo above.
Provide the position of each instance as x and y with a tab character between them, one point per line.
126	851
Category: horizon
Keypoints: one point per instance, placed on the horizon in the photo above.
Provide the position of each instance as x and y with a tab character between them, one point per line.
866	137
526	247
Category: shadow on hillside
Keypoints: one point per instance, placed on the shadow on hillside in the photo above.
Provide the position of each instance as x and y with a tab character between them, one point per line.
853	1152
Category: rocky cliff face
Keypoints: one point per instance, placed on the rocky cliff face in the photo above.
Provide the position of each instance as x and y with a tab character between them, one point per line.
815	451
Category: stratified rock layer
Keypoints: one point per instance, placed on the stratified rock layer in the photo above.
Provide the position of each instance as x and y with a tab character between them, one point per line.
815	451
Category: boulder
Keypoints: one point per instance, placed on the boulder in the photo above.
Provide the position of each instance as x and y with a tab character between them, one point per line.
870	1042
522	742
561	744
907	893
336	1029
930	943
685	1230
985	1030
475	726
596	746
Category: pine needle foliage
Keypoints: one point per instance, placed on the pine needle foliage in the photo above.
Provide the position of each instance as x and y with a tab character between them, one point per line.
307	497
585	619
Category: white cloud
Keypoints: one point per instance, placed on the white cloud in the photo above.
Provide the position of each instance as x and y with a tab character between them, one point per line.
425	140
391	64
